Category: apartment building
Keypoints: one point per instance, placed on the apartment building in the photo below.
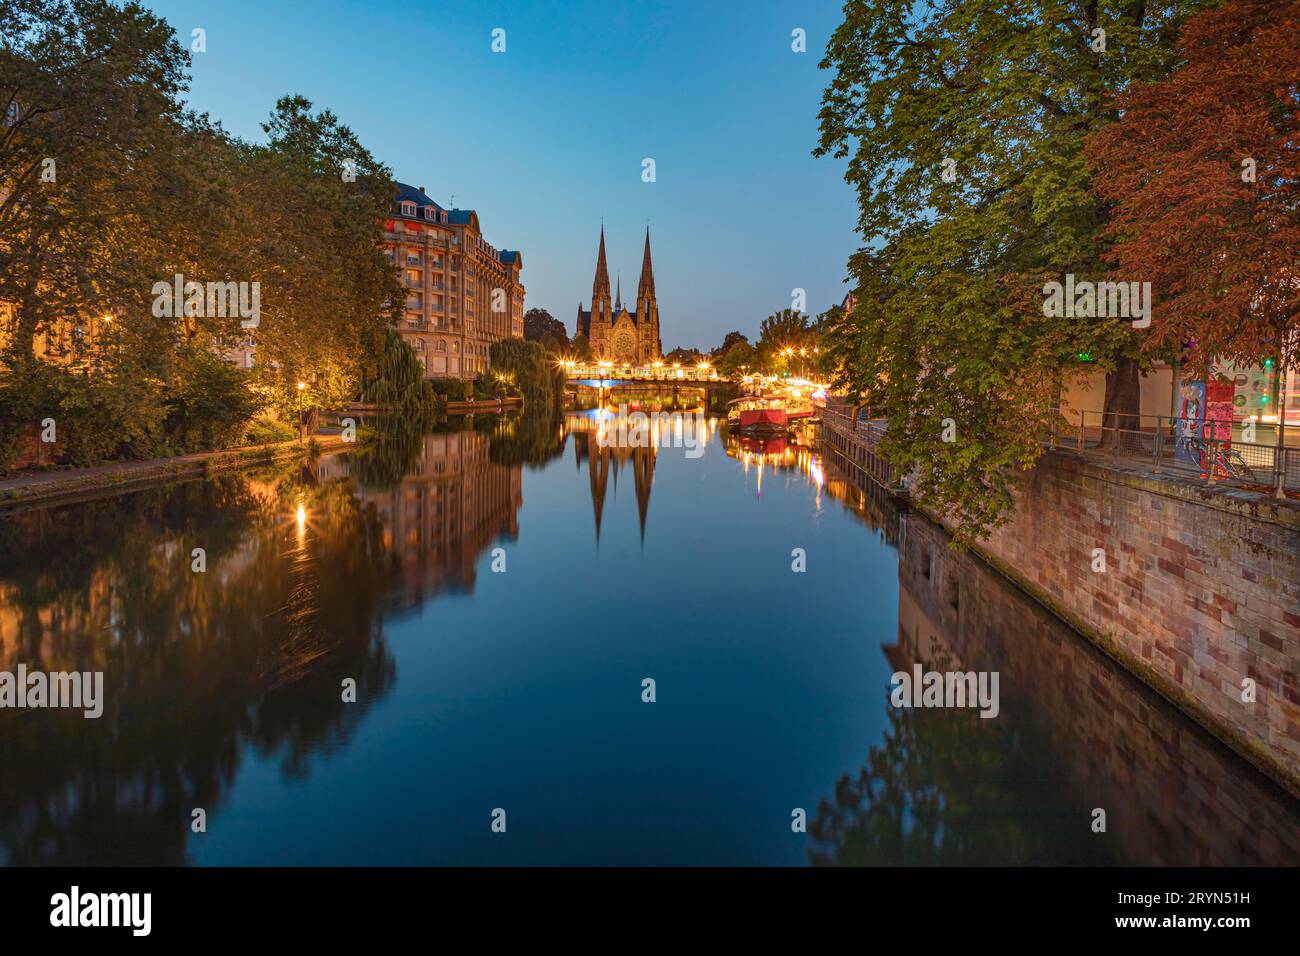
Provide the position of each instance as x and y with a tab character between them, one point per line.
462	293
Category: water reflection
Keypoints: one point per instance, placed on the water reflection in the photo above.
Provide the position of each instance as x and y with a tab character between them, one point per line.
200	669
1076	732
777	687
453	502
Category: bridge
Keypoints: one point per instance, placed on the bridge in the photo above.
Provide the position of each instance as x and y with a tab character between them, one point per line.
606	375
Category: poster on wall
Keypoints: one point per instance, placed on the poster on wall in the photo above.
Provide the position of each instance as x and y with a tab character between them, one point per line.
1219	397
1191	417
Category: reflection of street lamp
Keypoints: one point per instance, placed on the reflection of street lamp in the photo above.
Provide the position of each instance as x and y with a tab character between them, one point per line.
301	430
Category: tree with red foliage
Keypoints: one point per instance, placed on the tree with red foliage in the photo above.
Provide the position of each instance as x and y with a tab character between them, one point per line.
1203	169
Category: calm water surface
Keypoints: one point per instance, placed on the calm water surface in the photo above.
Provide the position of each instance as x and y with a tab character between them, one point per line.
522	689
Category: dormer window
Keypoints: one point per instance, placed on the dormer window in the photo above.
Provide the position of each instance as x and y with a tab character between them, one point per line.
408	209
444	216
431	212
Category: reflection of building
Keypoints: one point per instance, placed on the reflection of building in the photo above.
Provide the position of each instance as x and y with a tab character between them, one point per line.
447	510
607	461
462	294
614	332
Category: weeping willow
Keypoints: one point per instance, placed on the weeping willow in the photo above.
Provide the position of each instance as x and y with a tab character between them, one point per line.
406	408
403	398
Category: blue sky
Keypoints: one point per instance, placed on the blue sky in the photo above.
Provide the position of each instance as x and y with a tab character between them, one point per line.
549	136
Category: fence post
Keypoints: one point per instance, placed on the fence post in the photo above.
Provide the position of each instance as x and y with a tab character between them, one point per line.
1080	442
1160	442
1211	461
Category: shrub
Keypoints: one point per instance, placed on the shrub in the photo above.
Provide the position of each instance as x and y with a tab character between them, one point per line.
452	389
264	430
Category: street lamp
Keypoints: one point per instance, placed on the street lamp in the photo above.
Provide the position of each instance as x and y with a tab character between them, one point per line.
301	430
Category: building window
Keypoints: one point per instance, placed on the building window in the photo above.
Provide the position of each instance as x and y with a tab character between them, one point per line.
442	347
408	209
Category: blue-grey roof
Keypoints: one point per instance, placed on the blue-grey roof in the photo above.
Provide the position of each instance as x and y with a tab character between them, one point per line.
407	193
460	217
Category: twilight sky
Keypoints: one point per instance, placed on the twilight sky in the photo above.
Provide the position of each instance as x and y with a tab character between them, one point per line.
546	138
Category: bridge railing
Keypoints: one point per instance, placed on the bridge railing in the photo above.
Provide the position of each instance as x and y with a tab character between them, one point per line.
642	373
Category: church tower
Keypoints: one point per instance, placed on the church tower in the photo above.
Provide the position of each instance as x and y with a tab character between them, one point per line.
614	333
647	309
601	309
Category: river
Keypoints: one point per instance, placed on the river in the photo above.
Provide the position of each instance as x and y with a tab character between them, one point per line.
505	598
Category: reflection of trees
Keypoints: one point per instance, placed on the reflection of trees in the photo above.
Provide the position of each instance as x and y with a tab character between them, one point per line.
947	787
533	438
387	455
195	666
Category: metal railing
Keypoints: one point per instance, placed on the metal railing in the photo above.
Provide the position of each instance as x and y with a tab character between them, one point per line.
1241	452
1244	454
647	373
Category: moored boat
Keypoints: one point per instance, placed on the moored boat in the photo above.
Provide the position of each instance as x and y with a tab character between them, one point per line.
758	413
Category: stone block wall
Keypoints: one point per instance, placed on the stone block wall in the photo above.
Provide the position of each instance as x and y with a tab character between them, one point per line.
1200	592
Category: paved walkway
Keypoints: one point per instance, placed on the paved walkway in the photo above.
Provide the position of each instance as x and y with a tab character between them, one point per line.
41	484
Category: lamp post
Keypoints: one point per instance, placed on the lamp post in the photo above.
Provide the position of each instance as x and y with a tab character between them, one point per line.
301	429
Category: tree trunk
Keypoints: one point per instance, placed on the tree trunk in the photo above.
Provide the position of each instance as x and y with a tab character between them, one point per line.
1123	402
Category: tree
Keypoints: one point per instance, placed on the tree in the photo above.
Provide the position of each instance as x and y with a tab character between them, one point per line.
328	292
739	358
1204	175
964	125
528	368
684	356
538	323
581	348
730	339
89	108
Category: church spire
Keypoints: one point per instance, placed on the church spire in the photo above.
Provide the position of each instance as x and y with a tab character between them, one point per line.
646	289
600	311
600	287
618	296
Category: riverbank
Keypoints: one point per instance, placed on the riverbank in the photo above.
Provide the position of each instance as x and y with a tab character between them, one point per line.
484	405
47	486
1190	587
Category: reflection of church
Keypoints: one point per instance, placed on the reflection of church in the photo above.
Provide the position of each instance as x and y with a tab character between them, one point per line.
606	463
446	512
615	333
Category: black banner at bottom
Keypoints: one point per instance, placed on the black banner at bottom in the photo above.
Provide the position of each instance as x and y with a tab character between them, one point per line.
334	905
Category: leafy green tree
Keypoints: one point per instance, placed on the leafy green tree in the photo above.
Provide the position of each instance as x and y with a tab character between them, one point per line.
581	348
329	295
89	110
404	398
730	339
738	358
539	323
964	125
526	366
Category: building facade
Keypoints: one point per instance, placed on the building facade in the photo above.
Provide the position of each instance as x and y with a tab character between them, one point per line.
462	293
615	334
